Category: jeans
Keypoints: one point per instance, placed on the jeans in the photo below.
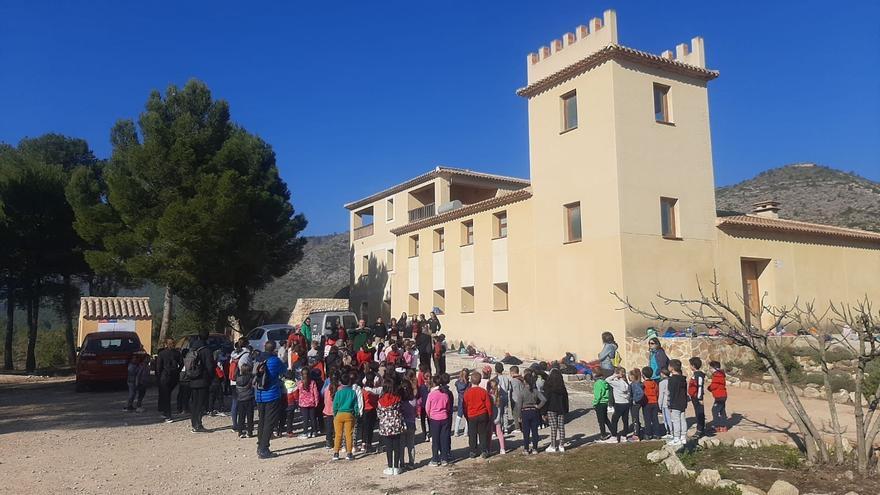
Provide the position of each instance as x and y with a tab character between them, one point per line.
269	414
328	430
233	411
343	423
700	413
620	411
245	419
636	418
529	419
394	451
679	424
198	405
602	419
216	391
310	420
440	439
652	423
136	390
719	412
165	389
478	434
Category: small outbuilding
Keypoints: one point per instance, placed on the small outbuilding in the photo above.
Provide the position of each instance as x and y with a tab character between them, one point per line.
107	314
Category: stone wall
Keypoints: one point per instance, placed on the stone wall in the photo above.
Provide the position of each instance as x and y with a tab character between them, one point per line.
683	348
303	307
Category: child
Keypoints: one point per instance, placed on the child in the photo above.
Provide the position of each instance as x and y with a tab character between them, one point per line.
499	403
370	394
516	385
440	354
437	409
424	378
477	408
620	389
652	426
663	402
461	386
409	407
329	390
345	410
718	387
637	393
557	407
695	392
292	394
503	382
601	397
244	388
138	375
308	401
391	426
215	389
678	400
530	400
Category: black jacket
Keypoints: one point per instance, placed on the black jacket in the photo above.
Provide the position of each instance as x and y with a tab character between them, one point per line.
207	358
424	343
244	387
678	393
379	330
168	364
557	399
435	325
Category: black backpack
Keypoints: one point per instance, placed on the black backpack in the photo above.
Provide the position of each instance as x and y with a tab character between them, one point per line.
262	380
193	365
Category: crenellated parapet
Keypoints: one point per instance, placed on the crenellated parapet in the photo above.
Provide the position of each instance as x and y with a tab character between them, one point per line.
584	41
693	54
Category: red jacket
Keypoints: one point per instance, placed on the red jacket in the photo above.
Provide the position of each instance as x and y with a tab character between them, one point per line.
695	385
364	357
652	391
718	385
371	400
476	402
392	357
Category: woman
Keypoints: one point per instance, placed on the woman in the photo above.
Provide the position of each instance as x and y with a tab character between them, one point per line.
168	364
557	408
657	357
608	354
402	324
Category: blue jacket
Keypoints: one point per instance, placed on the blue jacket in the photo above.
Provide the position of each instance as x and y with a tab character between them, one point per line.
275	368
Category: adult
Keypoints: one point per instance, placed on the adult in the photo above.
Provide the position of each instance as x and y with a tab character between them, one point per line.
267	395
608	354
424	344
168	364
402	327
657	357
297	339
306	329
434	323
379	329
239	351
201	375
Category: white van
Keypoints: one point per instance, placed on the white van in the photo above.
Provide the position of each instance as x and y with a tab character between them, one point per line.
325	323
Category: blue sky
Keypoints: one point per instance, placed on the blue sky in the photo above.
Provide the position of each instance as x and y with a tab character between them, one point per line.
354	96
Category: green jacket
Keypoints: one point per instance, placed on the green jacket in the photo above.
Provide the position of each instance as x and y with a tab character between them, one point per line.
601	393
345	401
307	332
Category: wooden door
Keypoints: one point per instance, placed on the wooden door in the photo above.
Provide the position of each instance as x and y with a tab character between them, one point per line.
751	292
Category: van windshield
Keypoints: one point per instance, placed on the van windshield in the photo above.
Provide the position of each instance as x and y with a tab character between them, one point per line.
125	344
349	322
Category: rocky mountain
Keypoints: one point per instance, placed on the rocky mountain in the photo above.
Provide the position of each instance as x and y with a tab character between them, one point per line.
810	193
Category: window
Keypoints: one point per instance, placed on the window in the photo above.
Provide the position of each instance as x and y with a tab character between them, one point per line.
389	260
467	233
569	111
499	225
499	297
467	299
439	240
413	246
440	300
362	223
572	222
389	210
414	304
365	266
669	218
661	104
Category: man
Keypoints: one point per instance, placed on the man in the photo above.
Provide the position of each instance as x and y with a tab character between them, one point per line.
379	329
202	361
168	364
425	345
268	398
235	360
434	323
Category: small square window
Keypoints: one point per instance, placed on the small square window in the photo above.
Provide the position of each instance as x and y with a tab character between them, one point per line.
467	233
413	246
365	266
467	299
569	111
439	240
389	210
389	260
662	111
499	293
669	218
572	222
499	225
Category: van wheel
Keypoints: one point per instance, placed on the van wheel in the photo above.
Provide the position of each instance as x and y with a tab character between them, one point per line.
80	386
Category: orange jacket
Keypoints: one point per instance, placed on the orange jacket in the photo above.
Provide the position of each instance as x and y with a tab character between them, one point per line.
652	391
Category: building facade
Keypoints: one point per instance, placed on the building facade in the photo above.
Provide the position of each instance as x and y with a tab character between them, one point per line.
621	199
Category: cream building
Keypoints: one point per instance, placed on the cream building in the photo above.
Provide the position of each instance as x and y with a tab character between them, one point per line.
621	199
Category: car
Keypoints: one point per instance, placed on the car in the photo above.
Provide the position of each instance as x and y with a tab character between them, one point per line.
215	341
278	332
104	357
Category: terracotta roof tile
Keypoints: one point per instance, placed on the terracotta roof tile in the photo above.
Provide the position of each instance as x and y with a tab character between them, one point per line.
115	307
798	227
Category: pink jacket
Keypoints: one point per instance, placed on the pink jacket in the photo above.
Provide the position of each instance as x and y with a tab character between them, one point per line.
437	405
328	403
308	398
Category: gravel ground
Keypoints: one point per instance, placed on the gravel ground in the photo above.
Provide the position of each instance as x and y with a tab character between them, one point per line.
53	440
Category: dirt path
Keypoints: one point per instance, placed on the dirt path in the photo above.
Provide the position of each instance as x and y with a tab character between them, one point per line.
54	440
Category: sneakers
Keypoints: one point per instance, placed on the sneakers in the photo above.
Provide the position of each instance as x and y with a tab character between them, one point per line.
169	420
633	439
242	435
335	457
388	471
560	449
666	437
395	471
434	464
527	452
444	463
139	409
198	430
311	435
611	440
349	457
128	409
222	414
265	454
301	437
484	455
502	452
550	450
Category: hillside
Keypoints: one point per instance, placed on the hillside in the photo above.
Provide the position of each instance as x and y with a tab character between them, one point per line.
811	193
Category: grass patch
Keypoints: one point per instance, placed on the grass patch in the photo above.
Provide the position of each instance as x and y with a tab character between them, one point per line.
592	469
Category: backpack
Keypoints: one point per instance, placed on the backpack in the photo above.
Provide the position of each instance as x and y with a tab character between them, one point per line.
192	364
262	381
615	359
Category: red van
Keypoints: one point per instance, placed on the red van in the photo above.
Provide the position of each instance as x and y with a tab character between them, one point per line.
104	358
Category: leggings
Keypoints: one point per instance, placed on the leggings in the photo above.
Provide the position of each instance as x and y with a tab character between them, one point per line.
620	411
343	423
368	424
529	419
423	419
636	418
409	441
499	432
602	419
557	428
310	420
328	430
393	450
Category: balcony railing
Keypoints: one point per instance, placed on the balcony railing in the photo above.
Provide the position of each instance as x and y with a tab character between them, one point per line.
421	213
361	232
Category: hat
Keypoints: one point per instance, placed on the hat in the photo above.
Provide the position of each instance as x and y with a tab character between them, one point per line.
651	333
487	369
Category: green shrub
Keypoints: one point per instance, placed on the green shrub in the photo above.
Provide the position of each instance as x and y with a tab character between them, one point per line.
51	349
842	381
872	381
